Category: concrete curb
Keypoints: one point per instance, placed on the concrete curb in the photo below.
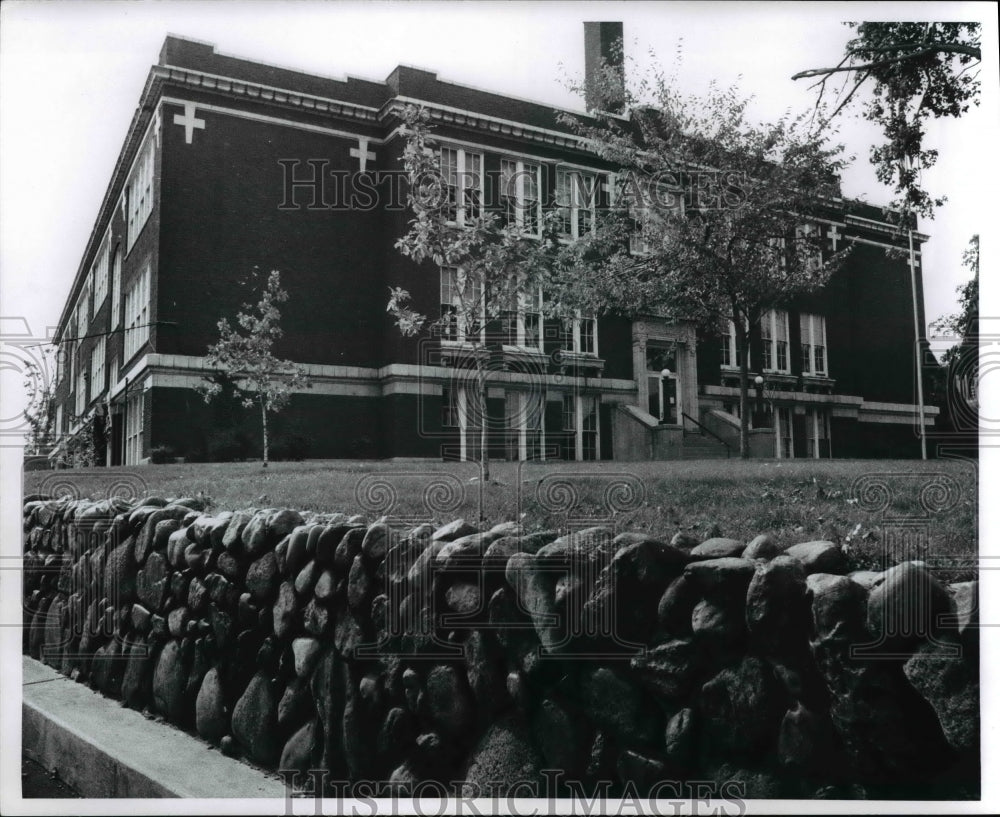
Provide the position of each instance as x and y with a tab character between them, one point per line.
102	749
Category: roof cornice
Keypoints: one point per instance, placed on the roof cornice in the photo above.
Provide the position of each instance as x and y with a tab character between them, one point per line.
266	93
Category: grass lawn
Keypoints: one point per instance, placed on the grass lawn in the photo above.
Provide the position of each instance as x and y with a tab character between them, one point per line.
895	509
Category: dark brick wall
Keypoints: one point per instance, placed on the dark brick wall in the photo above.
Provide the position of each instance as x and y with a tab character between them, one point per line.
216	227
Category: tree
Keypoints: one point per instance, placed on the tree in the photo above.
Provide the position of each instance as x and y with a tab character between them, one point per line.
721	204
248	358
40	413
915	71
489	259
965	323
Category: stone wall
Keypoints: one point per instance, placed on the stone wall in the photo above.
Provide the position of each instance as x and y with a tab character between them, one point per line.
449	653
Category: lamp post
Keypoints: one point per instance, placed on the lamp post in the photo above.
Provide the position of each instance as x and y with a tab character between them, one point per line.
758	381
665	375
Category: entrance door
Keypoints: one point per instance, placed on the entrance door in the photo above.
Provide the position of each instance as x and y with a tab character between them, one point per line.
664	384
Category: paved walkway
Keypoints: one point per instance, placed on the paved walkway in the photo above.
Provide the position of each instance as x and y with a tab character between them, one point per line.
101	749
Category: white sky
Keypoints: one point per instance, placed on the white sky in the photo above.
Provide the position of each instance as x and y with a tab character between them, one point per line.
71	74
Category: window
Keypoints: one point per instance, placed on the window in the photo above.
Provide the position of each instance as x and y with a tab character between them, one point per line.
520	194
818	433
576	195
100	276
523	326
116	288
588	442
569	412
813	332
732	356
60	363
81	390
60	420
97	373
461	298
137	314
463	177
785	439
449	407
584	331
774	336
140	191
83	312
113	371
133	428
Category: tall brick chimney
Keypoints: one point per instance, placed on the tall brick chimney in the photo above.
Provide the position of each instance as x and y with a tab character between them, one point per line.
603	42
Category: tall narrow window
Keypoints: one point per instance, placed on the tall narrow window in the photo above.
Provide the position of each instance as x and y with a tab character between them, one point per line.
137	313
100	275
774	337
116	288
576	200
588	410
133	428
97	373
449	303
587	335
82	398
813	333
520	194
449	407
83	312
463	178
462	307
140	190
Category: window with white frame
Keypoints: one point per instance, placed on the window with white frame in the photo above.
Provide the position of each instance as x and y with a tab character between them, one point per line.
569	412
774	337
97	372
133	428
732	355
576	200
116	287
83	312
588	427
462	307
140	190
584	334
59	420
818	433
523	415
524	326
60	363
137	313
520	194
812	329
113	371
462	173
82	398
100	275
449	407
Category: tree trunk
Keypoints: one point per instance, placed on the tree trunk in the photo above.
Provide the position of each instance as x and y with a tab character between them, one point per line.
484	438
263	424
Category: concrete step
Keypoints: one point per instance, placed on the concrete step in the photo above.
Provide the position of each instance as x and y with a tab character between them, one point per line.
700	447
102	749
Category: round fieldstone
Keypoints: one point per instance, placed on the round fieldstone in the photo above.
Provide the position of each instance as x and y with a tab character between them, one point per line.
255	720
169	681
718	547
763	546
906	608
211	718
819	557
262	578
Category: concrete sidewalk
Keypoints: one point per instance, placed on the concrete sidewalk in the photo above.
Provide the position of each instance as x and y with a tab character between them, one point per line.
102	749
